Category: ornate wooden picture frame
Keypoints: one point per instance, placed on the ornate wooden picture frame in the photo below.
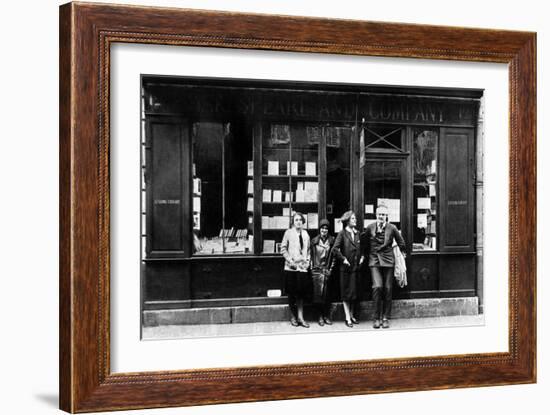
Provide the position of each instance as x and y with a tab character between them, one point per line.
87	32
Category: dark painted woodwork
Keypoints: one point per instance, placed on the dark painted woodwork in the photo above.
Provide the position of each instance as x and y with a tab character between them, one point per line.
86	33
236	278
424	275
322	102
164	176
457	274
167	281
457	205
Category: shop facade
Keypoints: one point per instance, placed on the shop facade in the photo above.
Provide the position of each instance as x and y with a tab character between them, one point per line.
226	162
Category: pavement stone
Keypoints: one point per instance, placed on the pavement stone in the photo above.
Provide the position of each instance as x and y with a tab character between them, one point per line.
279	327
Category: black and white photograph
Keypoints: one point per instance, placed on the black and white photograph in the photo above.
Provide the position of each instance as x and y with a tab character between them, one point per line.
286	207
275	207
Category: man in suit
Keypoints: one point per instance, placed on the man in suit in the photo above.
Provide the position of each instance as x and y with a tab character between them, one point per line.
378	239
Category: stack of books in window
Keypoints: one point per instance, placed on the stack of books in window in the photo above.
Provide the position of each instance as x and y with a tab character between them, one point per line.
282	222
250	197
197	193
229	241
289	186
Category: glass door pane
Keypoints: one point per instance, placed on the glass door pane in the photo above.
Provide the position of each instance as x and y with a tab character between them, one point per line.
382	186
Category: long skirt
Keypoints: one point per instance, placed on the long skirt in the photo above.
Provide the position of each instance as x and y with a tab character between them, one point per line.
297	284
348	285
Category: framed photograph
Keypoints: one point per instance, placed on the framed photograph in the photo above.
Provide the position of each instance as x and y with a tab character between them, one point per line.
258	207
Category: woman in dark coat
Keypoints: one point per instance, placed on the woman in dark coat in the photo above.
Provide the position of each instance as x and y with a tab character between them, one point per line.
347	250
322	262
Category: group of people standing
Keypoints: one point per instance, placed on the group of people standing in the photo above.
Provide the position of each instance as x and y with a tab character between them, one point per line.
309	265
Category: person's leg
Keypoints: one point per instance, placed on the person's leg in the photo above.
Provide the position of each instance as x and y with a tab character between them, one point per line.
317	281
302	279
327	312
359	290
347	313
377	286
320	309
345	295
300	308
290	288
353	305
388	288
326	303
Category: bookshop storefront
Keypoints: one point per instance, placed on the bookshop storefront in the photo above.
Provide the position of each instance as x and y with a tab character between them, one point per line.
225	163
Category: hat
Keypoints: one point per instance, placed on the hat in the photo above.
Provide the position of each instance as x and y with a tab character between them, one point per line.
346	216
324	222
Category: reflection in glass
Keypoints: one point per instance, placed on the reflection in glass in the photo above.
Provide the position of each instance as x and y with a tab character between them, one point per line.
425	190
338	189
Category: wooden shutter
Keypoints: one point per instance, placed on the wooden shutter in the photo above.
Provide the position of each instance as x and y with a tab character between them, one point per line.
457	204
167	187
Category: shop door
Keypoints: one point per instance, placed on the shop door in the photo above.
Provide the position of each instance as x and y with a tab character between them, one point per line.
384	185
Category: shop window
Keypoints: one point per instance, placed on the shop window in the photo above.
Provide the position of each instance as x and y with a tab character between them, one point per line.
383	138
338	187
425	189
222	196
290	179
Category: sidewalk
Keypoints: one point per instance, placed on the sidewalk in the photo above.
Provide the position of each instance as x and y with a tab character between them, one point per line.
283	327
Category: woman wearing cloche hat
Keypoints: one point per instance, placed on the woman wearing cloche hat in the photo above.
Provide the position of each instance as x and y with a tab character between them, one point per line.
322	263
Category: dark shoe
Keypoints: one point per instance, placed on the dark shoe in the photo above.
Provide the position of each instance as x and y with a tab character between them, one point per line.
303	323
354	320
385	324
376	324
349	323
328	321
321	321
294	322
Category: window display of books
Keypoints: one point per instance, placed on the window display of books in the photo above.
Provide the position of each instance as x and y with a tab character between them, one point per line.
307	192
293	168
425	187
229	241
290	181
197	194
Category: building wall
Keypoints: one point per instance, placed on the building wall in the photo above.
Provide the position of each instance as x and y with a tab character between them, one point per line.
174	276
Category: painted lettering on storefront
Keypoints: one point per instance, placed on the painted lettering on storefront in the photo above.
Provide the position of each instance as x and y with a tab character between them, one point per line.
373	108
398	111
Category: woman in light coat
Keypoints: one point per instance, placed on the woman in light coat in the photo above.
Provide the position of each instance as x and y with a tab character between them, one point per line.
296	251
